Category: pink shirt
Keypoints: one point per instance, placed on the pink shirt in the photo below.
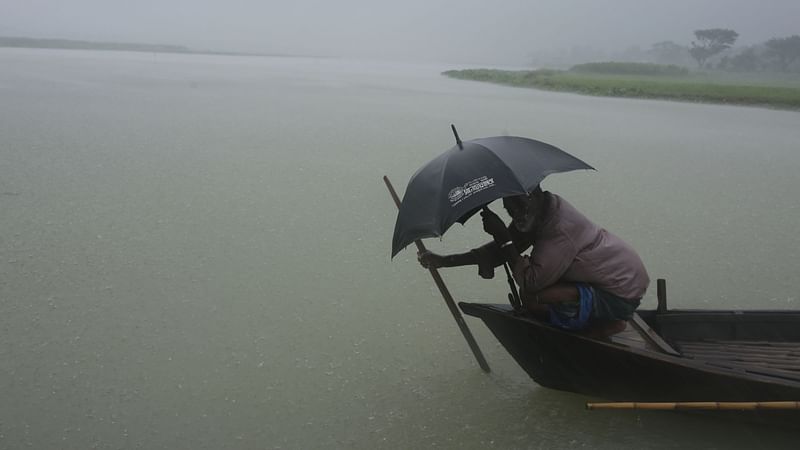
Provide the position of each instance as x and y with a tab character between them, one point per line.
568	247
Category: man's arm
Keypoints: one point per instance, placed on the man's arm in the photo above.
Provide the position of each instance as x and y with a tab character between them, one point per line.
430	260
486	257
545	267
503	239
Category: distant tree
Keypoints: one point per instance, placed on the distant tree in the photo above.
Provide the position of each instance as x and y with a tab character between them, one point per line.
785	50
668	52
711	42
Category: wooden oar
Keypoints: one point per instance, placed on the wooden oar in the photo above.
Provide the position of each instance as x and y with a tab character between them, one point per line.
683	406
446	294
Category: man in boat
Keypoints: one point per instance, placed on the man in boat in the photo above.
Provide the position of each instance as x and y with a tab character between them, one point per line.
578	276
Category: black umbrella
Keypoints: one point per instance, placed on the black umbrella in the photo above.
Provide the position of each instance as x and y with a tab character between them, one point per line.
456	184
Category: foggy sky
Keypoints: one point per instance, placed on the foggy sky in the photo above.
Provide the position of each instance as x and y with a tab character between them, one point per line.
467	31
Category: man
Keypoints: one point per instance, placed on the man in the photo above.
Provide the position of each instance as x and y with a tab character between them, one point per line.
578	274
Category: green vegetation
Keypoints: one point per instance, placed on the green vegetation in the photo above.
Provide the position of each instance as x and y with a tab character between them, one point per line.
694	88
630	68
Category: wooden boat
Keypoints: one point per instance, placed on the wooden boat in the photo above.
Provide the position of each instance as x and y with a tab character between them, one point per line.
664	356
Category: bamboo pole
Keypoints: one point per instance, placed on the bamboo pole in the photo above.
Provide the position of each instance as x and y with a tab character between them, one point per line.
699	406
448	299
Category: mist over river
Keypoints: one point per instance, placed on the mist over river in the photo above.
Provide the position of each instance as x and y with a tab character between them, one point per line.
194	251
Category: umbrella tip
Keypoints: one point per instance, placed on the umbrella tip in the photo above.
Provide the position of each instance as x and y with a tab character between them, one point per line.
458	139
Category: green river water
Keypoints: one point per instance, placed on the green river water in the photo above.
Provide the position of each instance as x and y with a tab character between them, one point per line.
194	251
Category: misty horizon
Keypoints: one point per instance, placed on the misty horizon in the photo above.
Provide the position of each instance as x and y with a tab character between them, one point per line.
466	31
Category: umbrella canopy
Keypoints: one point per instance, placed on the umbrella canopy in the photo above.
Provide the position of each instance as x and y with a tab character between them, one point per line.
456	184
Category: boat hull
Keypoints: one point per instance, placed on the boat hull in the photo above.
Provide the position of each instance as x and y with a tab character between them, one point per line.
571	362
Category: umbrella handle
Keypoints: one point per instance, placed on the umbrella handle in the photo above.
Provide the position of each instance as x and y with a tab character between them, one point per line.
448	299
513	297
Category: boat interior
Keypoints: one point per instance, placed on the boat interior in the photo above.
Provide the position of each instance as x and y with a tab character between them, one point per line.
752	342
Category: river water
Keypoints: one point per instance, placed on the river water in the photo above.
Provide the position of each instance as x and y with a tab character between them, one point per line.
194	251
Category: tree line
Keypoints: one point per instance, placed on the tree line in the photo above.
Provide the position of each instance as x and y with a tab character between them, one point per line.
713	49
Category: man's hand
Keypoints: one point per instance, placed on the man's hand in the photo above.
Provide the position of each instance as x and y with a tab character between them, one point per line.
430	260
495	226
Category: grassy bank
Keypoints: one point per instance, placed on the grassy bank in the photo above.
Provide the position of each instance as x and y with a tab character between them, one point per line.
784	94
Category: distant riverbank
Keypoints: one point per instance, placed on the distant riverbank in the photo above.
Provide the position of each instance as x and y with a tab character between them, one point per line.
739	90
23	42
69	44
